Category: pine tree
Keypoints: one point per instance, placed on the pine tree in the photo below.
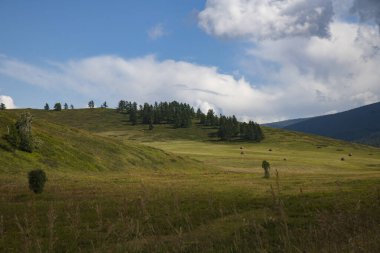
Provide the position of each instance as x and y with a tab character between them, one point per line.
199	113
72	107
91	104
46	107
66	106
57	107
24	129
2	106
210	118
226	129
133	114
122	106
104	105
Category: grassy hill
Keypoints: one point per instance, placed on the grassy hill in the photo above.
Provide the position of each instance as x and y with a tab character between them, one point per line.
114	187
63	147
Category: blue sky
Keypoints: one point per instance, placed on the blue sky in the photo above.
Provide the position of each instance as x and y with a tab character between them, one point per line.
229	55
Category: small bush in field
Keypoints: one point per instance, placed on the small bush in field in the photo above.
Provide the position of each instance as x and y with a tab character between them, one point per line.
37	179
266	166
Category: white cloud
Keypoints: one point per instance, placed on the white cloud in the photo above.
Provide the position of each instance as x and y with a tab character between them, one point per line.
263	19
317	75
156	32
145	79
309	59
8	101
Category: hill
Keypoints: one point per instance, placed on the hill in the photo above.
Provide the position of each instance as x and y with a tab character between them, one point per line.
115	187
63	147
358	125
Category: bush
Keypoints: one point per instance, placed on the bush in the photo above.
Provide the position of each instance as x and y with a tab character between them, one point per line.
20	134
37	179
266	166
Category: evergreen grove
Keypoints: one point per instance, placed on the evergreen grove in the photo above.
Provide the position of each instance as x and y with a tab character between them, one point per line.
181	115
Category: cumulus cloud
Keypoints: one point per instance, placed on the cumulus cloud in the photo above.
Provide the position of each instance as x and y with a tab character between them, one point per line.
318	75
156	32
145	79
305	53
8	101
263	19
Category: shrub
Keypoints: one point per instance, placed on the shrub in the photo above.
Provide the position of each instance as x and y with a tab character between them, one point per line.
266	166
20	134
37	179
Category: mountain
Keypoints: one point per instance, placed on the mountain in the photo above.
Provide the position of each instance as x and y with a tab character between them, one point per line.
285	123
358	125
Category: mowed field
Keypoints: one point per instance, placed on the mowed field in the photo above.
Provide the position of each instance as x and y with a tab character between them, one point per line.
113	187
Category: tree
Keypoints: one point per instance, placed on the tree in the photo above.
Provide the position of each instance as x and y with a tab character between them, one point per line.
226	129
210	117
2	106
91	104
122	106
71	107
66	106
46	107
199	113
133	114
37	179
104	105
266	166
20	134
13	136
57	107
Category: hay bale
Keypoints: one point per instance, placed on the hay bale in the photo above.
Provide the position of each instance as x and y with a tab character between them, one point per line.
342	159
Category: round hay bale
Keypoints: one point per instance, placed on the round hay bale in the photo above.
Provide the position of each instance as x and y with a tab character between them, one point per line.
350	154
342	159
242	152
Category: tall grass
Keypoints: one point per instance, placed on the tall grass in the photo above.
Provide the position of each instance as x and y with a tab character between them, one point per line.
282	224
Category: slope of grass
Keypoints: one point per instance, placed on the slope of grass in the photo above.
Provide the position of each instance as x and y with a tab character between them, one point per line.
62	147
318	203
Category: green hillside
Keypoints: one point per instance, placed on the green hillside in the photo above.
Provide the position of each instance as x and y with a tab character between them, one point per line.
114	187
63	147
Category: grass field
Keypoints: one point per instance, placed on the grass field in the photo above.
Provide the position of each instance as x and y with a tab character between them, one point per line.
113	187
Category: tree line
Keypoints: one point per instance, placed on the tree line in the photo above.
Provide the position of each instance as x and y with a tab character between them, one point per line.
58	107
182	115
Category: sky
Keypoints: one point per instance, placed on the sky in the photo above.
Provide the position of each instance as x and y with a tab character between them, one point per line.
262	60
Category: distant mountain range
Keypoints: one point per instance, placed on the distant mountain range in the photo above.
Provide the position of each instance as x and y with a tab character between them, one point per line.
357	125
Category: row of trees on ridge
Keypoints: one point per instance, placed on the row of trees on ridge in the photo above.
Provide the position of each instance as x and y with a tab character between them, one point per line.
182	115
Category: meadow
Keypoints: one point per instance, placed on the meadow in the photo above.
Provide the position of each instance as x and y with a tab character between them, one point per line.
114	187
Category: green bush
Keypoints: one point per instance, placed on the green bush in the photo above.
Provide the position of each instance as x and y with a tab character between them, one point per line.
37	179
266	166
20	134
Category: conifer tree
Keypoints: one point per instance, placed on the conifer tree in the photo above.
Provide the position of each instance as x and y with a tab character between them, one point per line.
104	105
2	106
91	104
133	114
46	107
57	107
